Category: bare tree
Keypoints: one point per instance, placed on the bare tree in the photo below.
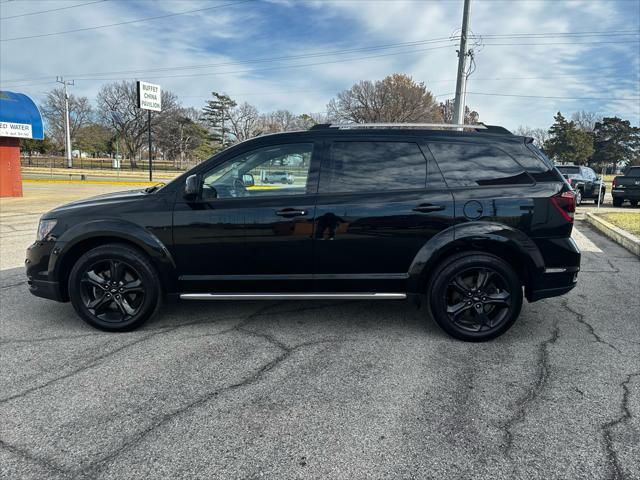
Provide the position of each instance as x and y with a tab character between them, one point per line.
396	98
586	120
117	108
539	135
245	122
471	117
80	115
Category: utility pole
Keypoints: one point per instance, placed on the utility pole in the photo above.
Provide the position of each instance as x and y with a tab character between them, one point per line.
461	79
66	120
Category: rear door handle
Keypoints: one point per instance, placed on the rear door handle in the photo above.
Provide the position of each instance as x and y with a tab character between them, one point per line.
427	207
291	212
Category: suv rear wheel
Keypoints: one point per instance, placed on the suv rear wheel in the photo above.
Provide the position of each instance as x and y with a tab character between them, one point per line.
114	288
475	296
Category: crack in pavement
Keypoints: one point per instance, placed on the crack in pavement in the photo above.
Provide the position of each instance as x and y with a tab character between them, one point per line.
616	472
92	363
580	319
255	376
522	404
43	462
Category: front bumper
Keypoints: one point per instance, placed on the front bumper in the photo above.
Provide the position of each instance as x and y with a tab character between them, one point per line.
39	274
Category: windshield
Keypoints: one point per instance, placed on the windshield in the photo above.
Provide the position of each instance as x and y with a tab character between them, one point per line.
569	170
633	172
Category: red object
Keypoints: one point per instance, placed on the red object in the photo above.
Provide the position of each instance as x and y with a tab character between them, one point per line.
565	203
10	177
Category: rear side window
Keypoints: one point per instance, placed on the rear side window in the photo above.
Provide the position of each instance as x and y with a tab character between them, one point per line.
374	166
466	165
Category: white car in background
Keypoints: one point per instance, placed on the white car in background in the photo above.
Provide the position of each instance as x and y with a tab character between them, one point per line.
278	177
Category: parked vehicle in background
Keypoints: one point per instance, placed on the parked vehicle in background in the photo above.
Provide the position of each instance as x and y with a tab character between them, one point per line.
471	222
584	181
278	177
626	187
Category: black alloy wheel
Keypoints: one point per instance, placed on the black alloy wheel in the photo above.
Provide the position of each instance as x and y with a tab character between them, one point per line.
112	290
475	296
114	287
477	299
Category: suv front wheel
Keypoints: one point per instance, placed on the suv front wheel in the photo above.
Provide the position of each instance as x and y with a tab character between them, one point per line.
475	296
114	288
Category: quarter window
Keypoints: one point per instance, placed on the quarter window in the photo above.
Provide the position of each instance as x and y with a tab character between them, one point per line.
374	166
466	165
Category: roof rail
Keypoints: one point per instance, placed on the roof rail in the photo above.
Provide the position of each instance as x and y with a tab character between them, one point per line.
427	126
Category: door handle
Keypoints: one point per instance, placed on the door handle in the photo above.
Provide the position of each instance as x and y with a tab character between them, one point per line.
291	212
427	207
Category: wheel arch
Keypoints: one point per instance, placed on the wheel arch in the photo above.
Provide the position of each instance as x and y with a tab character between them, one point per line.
503	241
84	237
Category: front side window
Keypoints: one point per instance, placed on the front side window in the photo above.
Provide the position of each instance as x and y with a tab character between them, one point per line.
467	165
374	166
273	170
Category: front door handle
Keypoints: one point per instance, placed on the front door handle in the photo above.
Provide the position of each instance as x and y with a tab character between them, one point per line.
291	212
427	207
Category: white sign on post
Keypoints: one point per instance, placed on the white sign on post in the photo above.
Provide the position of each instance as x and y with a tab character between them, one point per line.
149	96
18	130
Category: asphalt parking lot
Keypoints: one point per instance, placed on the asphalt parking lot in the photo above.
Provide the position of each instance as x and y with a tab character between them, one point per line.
323	389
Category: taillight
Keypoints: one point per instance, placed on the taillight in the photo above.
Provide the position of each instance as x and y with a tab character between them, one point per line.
565	203
613	183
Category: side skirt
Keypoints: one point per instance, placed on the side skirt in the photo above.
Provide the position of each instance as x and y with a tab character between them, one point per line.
293	296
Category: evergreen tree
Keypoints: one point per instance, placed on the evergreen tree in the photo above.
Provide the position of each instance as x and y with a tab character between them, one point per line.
217	114
616	142
568	143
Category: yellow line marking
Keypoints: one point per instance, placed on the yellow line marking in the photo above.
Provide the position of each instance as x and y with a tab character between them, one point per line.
88	182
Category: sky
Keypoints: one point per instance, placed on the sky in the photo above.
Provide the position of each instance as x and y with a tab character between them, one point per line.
298	54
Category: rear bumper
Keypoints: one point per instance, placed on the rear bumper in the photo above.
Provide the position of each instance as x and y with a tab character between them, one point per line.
562	264
629	194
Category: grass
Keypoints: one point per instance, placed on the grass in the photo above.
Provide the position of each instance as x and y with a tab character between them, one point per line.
627	221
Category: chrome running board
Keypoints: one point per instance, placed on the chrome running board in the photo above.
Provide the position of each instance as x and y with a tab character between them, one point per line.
292	296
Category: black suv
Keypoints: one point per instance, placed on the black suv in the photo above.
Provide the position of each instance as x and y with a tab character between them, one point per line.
465	219
585	182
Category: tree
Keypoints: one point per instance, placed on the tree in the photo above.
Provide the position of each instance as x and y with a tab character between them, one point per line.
31	146
471	117
396	98
94	139
539	135
182	137
217	113
567	143
245	122
616	142
53	110
585	120
117	108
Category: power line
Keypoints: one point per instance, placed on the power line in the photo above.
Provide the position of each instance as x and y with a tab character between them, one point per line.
52	10
258	60
98	75
146	19
552	97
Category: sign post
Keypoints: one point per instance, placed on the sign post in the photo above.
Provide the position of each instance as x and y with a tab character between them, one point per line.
149	99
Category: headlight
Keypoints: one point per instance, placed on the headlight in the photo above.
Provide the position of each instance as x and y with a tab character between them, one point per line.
45	227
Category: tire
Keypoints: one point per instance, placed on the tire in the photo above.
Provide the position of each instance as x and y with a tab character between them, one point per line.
114	307
481	314
634	203
595	200
617	202
578	197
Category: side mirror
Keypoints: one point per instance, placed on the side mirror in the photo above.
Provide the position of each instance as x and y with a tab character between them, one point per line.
192	187
248	180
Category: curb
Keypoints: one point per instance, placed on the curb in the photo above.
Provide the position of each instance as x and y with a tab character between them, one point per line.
618	235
